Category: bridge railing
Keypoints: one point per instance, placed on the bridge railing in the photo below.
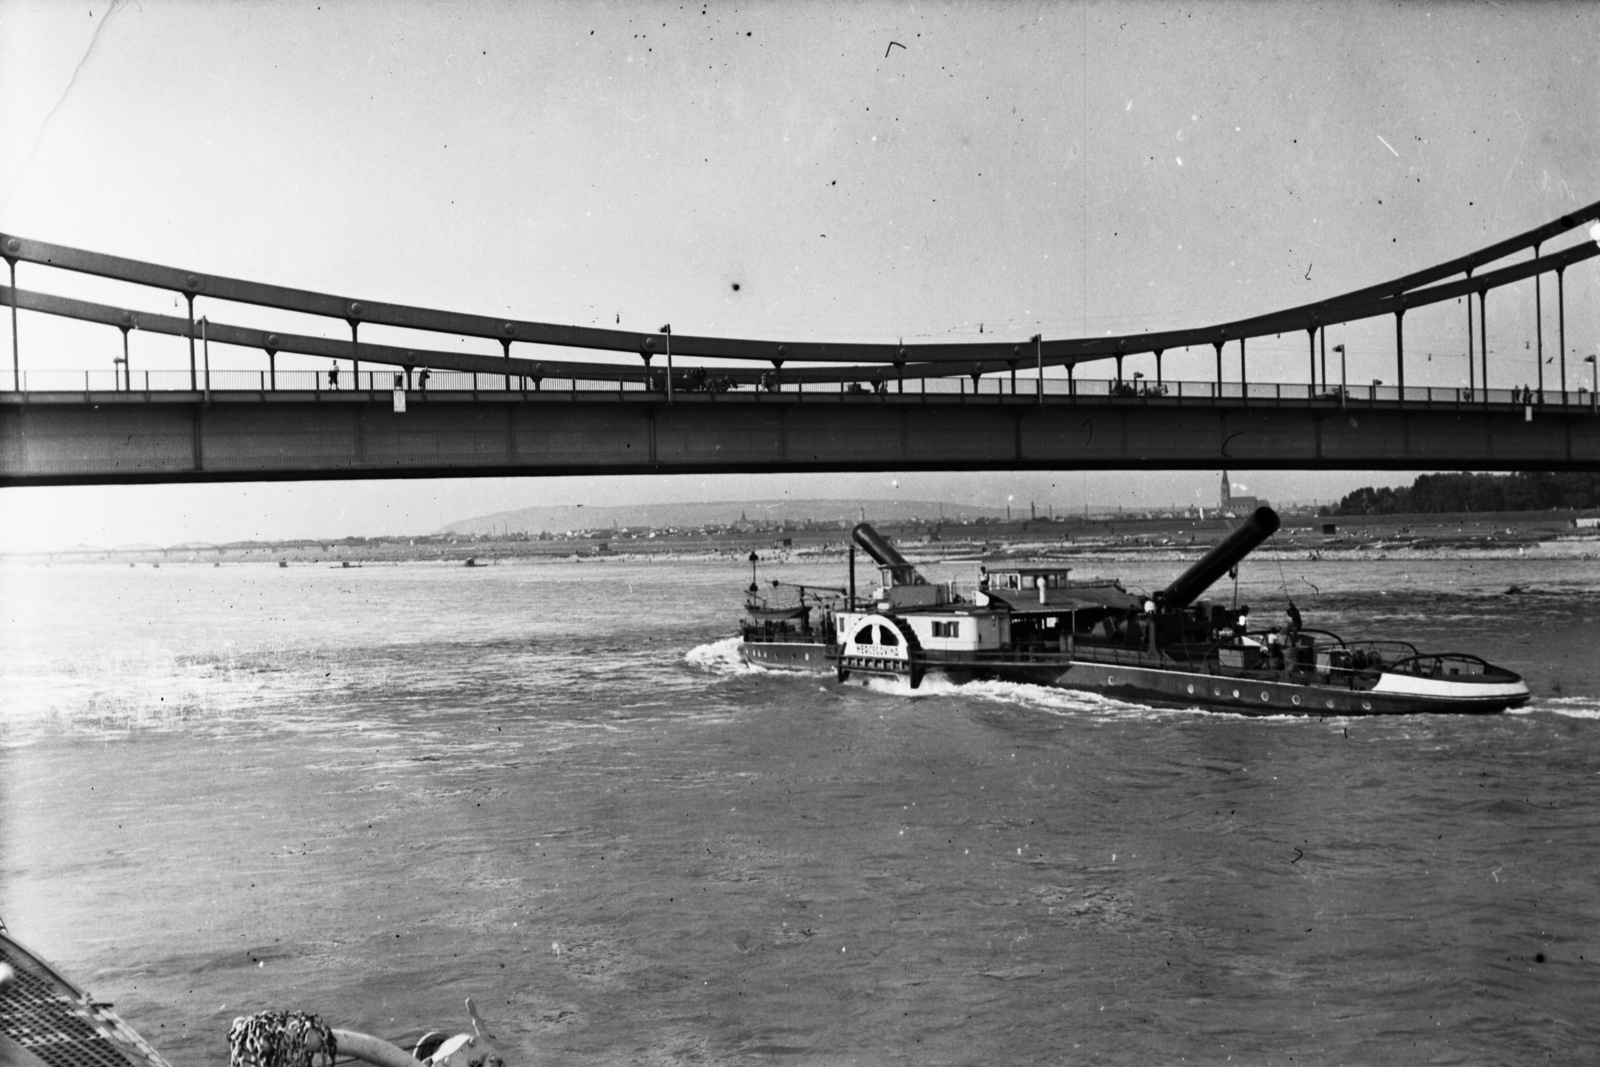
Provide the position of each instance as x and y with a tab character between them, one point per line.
993	389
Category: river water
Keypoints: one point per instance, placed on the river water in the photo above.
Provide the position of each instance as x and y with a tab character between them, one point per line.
373	792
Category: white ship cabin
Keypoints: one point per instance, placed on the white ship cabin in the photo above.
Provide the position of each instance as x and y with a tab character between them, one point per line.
963	629
1018	584
1025	586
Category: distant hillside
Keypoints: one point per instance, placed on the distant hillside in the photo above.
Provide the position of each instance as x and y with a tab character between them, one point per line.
538	520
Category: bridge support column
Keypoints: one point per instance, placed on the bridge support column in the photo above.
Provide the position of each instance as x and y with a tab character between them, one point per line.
1323	336
16	358
1311	355
1038	352
1472	364
355	356
1483	337
1538	325
193	384
1400	352
1560	338
127	368
667	329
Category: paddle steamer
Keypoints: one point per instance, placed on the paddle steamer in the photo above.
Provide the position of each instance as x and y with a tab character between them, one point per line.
1033	623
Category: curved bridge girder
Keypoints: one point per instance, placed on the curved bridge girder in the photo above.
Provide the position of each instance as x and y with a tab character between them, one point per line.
870	359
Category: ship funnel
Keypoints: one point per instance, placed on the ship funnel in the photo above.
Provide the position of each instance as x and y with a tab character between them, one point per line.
878	547
1214	564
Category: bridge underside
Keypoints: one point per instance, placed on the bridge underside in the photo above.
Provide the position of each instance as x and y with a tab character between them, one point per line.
107	438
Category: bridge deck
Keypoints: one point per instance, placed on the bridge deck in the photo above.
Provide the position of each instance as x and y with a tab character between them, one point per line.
159	436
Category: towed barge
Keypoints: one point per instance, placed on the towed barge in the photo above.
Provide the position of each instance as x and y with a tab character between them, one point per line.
1033	624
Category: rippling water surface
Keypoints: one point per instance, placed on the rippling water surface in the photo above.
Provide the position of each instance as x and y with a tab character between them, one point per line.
373	792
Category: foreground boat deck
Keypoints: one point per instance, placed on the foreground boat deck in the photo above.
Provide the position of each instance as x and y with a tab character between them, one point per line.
46	1021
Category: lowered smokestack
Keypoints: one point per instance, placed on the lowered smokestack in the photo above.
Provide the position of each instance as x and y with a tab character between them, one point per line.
901	572
1214	564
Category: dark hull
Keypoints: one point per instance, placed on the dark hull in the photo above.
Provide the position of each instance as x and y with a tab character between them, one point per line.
1140	685
1241	696
788	655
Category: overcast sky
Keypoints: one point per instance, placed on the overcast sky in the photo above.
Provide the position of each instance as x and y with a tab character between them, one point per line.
862	171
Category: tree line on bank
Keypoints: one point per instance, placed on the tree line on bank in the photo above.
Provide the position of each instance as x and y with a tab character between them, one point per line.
1522	491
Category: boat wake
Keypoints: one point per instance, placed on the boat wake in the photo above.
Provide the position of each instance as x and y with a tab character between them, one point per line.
1021	694
722	657
1569	707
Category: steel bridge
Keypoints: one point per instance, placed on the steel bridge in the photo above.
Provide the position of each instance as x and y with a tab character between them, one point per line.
765	405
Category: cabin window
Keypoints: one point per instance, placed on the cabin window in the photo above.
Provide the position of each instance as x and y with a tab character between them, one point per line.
1051	622
947	629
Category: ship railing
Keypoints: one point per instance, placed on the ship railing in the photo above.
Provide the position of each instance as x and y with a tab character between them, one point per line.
1378	655
1460	666
1357	664
1334	661
763	631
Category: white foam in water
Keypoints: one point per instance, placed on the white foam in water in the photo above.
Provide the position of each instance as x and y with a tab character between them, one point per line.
1044	698
152	689
721	657
1571	707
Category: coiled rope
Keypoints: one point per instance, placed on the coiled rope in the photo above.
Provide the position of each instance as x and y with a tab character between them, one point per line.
280	1039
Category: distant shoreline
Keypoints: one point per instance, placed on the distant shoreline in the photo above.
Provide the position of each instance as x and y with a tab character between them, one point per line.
1492	536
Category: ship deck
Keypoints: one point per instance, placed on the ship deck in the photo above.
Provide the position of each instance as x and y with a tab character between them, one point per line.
47	1021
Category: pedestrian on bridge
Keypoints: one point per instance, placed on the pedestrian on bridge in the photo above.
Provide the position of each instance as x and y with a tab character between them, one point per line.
333	376
422	379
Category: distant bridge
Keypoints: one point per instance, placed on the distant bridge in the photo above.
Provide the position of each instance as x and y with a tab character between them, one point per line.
781	406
